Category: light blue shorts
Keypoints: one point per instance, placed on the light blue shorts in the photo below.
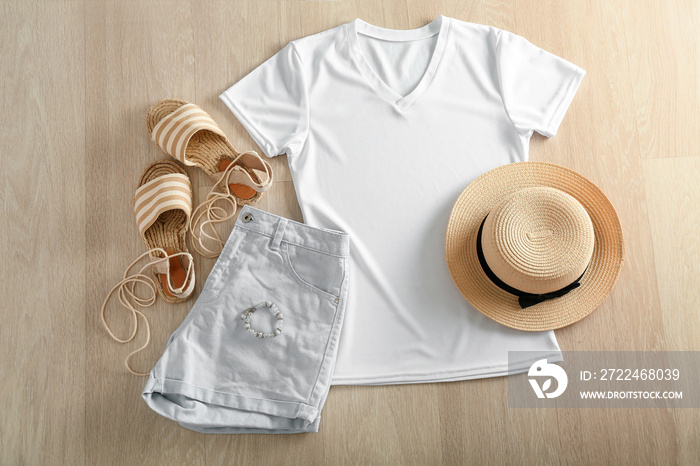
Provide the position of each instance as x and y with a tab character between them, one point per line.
257	350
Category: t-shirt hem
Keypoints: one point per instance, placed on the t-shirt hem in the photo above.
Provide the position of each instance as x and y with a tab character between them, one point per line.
449	376
565	102
263	142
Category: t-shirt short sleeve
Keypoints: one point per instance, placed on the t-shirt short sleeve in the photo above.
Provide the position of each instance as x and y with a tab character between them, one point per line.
537	87
271	103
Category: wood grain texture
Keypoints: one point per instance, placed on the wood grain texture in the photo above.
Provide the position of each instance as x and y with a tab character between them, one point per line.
673	202
43	277
662	51
77	79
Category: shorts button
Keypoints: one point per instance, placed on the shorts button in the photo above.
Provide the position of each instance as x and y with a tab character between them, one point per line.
247	218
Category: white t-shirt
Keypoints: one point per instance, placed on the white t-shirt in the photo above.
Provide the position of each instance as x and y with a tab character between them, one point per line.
383	129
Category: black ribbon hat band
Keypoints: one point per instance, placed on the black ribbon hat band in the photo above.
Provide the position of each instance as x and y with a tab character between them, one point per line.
524	299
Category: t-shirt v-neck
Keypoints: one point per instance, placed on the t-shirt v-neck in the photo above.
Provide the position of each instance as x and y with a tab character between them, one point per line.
382	133
399	64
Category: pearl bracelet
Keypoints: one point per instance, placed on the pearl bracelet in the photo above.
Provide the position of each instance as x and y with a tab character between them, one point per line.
273	308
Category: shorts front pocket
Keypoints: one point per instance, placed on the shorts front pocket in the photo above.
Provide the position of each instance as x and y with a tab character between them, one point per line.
315	270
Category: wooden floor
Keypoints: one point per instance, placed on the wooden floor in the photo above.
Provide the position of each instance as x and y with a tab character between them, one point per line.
77	78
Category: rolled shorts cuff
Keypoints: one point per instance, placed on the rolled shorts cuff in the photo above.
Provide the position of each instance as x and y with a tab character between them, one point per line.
190	406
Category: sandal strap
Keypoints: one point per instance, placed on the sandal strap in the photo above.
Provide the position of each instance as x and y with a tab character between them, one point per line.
128	298
174	131
235	173
168	192
208	213
162	267
213	214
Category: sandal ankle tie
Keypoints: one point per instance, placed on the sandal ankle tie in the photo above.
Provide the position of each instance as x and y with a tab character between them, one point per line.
217	213
129	299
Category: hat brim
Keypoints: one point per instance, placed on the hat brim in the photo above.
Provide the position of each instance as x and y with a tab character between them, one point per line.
484	193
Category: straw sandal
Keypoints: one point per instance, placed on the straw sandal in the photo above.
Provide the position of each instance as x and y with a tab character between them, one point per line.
163	205
189	134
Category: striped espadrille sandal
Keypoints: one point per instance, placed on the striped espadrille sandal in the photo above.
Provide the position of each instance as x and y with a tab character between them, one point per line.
163	206
189	134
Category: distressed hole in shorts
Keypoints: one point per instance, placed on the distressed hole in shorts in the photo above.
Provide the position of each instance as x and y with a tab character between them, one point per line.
259	330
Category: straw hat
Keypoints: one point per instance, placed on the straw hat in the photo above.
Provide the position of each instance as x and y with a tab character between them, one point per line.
534	246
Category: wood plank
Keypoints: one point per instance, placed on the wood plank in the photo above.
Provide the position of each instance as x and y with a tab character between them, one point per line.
662	44
42	234
673	199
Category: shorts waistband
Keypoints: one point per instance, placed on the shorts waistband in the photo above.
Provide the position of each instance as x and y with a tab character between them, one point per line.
281	229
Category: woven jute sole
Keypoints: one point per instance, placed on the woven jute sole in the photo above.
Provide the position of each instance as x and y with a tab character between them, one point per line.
477	200
169	229
205	149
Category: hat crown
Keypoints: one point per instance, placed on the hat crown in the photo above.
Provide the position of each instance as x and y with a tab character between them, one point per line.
538	240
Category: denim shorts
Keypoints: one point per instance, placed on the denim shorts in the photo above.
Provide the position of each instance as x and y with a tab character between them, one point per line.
256	352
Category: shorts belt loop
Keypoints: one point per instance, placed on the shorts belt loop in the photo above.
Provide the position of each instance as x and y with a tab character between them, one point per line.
279	234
